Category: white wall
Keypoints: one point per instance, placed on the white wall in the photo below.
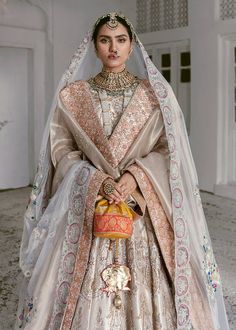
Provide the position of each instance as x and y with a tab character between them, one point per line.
21	33
15	113
208	99
67	23
52	30
71	20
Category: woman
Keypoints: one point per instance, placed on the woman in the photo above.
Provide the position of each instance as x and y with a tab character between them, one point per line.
118	136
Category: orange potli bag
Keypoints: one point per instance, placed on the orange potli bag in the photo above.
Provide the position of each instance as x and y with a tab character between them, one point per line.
114	221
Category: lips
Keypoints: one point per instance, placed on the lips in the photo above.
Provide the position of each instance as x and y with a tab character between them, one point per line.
113	57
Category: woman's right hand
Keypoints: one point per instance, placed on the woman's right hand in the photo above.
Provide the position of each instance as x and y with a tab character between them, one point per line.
116	196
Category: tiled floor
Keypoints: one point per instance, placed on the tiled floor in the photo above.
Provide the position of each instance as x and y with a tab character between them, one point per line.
221	218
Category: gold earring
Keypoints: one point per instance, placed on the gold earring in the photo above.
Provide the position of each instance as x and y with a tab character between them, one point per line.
130	52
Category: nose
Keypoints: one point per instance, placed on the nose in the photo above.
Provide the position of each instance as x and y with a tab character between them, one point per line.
113	46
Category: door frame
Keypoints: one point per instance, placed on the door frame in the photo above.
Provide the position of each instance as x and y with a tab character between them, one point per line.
33	40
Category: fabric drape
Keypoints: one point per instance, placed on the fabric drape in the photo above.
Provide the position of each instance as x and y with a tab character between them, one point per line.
149	141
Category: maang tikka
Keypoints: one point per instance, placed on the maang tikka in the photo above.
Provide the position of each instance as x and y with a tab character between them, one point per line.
113	21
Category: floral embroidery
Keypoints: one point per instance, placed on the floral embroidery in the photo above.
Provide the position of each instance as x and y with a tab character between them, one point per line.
73	234
210	268
160	222
133	120
78	100
26	313
181	239
83	250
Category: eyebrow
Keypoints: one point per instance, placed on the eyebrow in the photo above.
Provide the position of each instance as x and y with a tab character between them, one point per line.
120	35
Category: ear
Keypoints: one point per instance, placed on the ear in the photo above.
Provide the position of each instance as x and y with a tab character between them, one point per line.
130	51
131	48
96	51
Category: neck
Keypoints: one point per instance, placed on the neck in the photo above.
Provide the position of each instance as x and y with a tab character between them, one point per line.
114	81
113	70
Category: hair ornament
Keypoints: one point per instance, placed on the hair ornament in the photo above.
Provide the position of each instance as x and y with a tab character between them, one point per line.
113	22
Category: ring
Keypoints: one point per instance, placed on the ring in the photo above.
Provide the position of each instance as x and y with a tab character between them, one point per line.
108	188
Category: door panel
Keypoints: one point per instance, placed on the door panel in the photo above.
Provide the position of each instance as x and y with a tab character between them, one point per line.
14	118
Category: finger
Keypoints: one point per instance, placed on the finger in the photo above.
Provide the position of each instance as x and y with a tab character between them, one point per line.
115	198
119	189
117	193
122	187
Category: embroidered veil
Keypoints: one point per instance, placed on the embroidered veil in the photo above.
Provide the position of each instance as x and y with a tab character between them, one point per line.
194	257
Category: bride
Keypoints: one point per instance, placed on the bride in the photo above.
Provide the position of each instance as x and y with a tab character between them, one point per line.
116	134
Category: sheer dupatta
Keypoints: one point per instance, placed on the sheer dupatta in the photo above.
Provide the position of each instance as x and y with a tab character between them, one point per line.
195	265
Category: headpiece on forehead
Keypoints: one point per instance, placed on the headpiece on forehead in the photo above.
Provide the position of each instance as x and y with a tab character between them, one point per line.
113	22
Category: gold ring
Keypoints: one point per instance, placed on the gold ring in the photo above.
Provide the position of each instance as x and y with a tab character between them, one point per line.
108	188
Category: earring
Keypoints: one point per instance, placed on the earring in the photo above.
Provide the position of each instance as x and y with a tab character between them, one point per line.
130	52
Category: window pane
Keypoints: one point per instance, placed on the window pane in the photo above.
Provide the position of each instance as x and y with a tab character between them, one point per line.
185	59
185	76
167	75
165	60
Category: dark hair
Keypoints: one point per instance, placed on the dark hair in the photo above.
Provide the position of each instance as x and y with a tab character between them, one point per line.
106	19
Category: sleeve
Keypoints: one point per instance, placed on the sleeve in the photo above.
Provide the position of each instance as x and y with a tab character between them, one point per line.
64	150
155	166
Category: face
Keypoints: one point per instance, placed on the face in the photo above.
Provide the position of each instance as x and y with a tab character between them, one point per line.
113	47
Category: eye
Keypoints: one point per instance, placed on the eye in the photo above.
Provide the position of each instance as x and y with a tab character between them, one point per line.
104	40
122	40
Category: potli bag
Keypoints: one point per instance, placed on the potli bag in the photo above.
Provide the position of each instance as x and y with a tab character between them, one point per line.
114	221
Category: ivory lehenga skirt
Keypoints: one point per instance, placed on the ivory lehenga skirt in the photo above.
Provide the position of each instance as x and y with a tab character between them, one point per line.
150	302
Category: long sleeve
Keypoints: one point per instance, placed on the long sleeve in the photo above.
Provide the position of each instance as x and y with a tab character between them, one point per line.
64	150
155	165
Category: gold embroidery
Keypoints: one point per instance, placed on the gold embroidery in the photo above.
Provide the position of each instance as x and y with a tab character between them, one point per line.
160	222
82	256
78	100
132	121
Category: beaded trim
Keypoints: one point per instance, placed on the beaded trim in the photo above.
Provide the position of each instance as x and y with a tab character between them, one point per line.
113	81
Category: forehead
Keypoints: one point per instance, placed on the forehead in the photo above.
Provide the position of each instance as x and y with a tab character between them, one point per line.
104	30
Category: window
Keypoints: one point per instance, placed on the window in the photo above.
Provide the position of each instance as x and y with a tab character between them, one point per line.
185	71
227	9
159	15
166	66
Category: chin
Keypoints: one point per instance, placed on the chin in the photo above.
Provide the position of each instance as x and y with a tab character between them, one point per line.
114	66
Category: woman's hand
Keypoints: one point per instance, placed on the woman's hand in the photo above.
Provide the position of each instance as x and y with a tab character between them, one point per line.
126	185
116	196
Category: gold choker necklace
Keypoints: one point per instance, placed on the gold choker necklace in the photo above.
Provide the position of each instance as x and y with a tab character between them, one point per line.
114	81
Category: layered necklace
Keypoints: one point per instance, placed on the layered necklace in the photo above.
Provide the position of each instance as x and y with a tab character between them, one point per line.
113	81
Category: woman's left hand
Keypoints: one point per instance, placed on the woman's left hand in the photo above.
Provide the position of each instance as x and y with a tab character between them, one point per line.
126	185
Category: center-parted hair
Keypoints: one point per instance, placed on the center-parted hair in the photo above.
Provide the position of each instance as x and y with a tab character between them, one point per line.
104	20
